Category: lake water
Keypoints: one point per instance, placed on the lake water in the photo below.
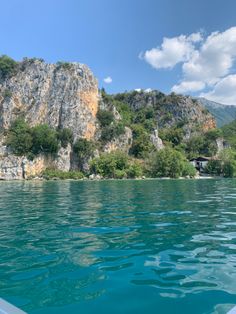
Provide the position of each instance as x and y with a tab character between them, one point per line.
158	246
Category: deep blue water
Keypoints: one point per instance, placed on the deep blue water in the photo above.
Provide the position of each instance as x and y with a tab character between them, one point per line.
158	246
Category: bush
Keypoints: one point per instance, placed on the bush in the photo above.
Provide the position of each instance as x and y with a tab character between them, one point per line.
135	170
170	163
224	166
62	175
120	174
44	140
112	131
125	112
19	137
108	163
105	117
116	165
173	135
24	140
142	144
83	148
188	170
65	136
64	65
7	66
214	167
201	144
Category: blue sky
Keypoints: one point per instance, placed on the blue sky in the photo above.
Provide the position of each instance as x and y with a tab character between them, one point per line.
110	35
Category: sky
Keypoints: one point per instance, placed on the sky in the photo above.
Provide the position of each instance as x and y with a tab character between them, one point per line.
182	46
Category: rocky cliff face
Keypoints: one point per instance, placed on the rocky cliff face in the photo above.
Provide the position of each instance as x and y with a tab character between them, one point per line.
61	95
65	95
171	109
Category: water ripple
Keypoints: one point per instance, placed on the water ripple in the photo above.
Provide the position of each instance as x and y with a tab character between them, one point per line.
85	246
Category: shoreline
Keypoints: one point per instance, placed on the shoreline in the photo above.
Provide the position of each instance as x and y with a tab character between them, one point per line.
38	179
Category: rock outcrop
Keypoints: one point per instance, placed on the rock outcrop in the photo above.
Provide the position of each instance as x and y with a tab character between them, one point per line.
62	95
122	142
65	95
171	109
156	140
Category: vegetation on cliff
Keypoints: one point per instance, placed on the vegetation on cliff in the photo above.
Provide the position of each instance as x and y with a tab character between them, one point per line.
122	136
40	139
7	66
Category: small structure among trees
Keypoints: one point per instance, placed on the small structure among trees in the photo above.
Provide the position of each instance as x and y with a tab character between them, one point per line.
200	163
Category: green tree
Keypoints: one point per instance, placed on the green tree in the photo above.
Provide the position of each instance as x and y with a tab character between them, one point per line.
142	144
84	149
110	165
65	136
112	131
44	140
19	137
170	163
105	117
172	135
224	166
7	66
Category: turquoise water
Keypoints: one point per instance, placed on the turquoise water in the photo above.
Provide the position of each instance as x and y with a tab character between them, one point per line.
158	246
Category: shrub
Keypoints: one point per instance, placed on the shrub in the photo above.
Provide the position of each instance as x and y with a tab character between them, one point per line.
135	170
173	135
84	149
224	166
64	65
24	140
125	112
112	131
116	165
214	167
142	144
120	174
188	170
108	164
169	163
62	175
105	117
65	136
44	140
19	137
7	66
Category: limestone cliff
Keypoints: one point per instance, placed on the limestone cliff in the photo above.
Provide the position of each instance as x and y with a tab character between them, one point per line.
61	95
65	95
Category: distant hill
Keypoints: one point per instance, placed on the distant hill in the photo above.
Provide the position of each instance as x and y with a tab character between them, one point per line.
223	114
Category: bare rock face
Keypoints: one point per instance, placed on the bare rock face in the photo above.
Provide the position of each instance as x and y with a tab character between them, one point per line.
61	95
122	142
17	168
63	160
156	140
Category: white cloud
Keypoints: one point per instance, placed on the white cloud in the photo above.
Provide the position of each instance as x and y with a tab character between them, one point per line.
147	90
185	86
107	80
172	51
138	90
207	63
214	59
224	91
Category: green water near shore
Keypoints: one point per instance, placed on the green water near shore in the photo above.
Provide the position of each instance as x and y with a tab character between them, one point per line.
155	246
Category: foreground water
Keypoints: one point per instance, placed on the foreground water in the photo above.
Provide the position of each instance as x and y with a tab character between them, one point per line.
119	246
